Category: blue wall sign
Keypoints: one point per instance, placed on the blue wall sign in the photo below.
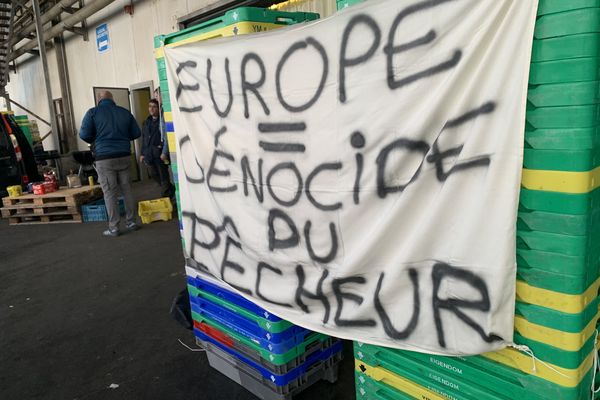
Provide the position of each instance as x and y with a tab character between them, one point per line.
102	41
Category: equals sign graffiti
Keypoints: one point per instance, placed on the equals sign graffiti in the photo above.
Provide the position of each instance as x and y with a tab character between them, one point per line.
282	127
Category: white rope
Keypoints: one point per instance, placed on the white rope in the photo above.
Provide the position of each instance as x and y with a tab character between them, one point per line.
188	347
529	352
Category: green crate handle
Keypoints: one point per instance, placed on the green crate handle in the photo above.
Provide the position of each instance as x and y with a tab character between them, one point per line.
381	391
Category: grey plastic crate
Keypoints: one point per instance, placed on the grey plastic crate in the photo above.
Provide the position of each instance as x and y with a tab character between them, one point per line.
279	369
264	389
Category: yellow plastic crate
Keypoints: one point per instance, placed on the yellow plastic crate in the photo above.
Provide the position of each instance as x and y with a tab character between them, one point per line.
561	181
554	337
14	191
568	303
155	210
553	373
397	382
171	141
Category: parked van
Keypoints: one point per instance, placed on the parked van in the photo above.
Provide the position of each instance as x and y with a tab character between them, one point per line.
9	167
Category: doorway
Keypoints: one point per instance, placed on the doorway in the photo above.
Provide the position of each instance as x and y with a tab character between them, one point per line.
140	93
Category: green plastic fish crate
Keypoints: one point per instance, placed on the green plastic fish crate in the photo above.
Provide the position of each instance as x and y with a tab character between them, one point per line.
370	389
341	4
557	243
562	160
439	382
241	14
566	47
276	359
564	94
561	71
556	6
162	74
567	224
478	370
164	85
166	100
565	322
566	23
558	282
562	117
560	203
555	262
161	64
556	356
269	326
563	139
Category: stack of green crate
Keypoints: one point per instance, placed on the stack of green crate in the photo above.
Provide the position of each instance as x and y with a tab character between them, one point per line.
240	21
558	246
558	249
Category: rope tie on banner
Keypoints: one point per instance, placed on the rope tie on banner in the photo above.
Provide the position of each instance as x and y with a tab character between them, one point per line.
525	349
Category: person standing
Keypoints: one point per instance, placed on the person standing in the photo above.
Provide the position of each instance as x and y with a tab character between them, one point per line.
163	127
111	129
153	154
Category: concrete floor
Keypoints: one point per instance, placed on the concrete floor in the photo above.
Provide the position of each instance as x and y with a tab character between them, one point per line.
79	312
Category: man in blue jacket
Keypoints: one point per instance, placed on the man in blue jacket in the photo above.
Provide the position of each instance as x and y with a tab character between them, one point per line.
111	129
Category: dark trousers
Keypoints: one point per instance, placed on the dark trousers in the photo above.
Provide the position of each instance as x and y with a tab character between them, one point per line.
159	171
114	177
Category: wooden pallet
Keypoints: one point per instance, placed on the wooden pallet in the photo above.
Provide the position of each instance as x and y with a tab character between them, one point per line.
45	209
62	206
72	197
52	218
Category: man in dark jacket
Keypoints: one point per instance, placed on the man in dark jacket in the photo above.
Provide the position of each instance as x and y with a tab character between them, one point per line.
111	128
153	154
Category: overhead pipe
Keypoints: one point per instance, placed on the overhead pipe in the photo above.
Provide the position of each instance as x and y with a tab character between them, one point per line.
67	23
48	16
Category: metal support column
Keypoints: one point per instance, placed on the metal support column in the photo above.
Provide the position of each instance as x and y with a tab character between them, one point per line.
39	29
65	88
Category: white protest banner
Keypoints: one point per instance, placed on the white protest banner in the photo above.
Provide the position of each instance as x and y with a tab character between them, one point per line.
359	175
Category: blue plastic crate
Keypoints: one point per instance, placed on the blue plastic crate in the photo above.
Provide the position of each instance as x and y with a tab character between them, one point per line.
96	211
278	380
234	298
279	347
214	309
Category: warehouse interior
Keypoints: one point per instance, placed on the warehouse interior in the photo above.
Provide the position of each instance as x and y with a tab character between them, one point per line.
137	315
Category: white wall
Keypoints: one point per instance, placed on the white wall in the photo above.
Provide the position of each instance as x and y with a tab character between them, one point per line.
27	87
130	59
